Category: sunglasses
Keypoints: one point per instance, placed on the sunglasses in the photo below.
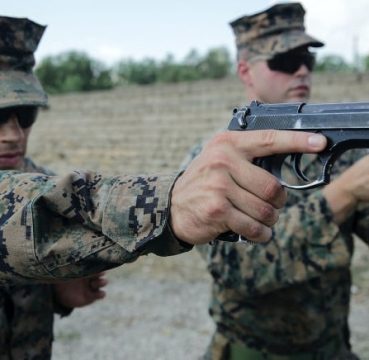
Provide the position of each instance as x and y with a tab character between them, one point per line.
290	62
26	115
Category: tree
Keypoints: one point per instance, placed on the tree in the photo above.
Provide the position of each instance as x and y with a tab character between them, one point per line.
216	64
73	71
133	72
332	63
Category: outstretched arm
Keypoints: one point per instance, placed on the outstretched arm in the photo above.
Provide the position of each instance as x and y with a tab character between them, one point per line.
84	223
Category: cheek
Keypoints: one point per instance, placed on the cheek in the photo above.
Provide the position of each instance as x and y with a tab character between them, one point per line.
280	83
272	87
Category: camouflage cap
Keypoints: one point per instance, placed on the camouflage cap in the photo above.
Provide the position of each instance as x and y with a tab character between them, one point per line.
19	38
275	30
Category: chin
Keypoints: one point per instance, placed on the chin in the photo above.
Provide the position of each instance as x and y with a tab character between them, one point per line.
299	96
302	98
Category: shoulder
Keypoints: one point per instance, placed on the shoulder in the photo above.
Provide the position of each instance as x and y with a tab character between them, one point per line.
30	166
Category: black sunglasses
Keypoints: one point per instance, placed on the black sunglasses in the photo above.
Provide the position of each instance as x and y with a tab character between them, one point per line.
289	62
26	115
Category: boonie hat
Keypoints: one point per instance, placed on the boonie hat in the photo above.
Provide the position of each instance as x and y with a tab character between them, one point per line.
275	30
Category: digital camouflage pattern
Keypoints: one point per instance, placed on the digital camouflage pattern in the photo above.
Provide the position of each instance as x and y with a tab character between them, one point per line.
26	319
275	30
292	294
19	39
80	224
27	314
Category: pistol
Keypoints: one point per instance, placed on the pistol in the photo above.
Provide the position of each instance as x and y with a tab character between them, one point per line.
345	125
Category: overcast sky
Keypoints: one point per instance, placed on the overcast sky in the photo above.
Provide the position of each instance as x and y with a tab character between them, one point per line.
113	29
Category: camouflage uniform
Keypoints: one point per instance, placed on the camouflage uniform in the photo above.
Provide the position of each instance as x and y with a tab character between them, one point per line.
289	298
81	223
26	311
108	221
27	314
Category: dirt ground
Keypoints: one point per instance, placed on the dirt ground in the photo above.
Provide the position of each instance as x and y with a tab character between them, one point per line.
157	308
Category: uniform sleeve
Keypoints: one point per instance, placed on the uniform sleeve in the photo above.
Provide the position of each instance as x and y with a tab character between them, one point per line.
79	224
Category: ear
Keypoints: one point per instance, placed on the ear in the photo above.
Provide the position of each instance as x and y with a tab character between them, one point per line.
243	71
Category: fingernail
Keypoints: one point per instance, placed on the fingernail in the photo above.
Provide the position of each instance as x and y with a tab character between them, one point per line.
316	140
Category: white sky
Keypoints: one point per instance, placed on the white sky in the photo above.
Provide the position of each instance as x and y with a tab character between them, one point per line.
114	29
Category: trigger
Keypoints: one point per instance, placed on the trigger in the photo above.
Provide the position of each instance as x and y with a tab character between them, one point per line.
296	163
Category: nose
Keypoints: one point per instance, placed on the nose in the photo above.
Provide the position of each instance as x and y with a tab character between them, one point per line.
11	131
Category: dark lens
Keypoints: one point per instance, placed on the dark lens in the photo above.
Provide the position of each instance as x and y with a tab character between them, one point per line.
290	62
310	61
26	115
5	115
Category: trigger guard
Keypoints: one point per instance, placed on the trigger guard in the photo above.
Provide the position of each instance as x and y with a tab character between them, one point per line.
274	163
310	185
296	162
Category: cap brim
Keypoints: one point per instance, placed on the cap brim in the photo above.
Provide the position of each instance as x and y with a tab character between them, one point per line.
276	44
19	88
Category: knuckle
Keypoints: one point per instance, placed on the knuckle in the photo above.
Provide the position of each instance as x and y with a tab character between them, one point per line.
256	231
217	161
268	138
221	138
268	214
219	185
273	189
216	209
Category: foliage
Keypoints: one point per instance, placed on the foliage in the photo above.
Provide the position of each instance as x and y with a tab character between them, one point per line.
76	71
332	63
215	64
144	72
73	71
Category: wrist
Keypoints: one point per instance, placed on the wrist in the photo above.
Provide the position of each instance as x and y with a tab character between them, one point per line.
59	307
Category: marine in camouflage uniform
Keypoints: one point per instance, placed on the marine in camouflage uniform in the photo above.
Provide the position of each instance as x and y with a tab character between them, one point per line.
289	298
27	311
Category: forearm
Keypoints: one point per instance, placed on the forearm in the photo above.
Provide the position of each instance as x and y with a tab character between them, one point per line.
80	224
341	203
59	308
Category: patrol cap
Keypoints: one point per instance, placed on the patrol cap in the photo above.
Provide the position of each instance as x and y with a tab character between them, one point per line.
275	30
19	38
